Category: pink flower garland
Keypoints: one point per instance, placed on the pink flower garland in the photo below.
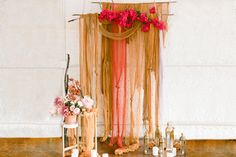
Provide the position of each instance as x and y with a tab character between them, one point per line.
127	18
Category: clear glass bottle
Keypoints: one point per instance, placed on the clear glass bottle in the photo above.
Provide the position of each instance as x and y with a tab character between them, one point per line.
161	147
182	142
146	142
169	137
157	136
146	138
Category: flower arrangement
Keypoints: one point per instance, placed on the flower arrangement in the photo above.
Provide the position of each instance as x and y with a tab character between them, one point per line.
127	18
74	102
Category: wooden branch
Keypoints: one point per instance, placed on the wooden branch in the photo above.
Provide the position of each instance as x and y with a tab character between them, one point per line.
66	76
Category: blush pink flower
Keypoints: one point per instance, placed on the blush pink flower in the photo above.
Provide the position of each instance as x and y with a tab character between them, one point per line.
88	102
76	111
65	111
72	107
152	10
58	102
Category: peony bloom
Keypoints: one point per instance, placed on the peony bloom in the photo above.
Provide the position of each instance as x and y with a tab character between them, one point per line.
72	107
152	10
146	27
76	111
58	102
88	102
65	111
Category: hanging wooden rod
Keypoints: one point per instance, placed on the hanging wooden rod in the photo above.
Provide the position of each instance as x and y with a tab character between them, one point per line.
134	2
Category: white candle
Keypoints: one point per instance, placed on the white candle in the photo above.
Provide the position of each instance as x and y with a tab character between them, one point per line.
155	151
174	151
105	155
93	153
168	154
75	153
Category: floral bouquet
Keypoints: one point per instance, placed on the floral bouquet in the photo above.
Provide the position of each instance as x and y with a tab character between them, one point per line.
73	103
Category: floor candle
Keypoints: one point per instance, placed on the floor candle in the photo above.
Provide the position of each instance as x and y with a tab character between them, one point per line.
105	155
155	151
174	151
93	153
75	153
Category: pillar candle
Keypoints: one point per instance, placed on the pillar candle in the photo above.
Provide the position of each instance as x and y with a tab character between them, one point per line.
105	155
169	154
174	151
75	153
155	151
93	153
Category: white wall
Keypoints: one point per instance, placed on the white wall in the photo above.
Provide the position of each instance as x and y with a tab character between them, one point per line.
199	65
32	57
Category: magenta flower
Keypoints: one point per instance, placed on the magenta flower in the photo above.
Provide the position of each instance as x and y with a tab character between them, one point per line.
133	15
159	24
143	18
146	27
103	15
152	10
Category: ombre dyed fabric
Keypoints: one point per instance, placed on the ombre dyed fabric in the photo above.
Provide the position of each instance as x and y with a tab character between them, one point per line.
129	75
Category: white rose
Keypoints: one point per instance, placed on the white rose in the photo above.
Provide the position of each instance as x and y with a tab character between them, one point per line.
80	104
88	102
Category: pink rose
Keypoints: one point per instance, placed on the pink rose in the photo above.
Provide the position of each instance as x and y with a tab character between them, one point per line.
152	10
72	107
65	111
76	111
58	102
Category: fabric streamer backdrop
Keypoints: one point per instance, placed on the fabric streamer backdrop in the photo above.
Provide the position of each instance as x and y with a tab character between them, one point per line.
130	67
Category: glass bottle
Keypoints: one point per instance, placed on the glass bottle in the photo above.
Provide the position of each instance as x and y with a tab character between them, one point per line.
146	138
146	142
161	147
169	137
182	142
157	136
